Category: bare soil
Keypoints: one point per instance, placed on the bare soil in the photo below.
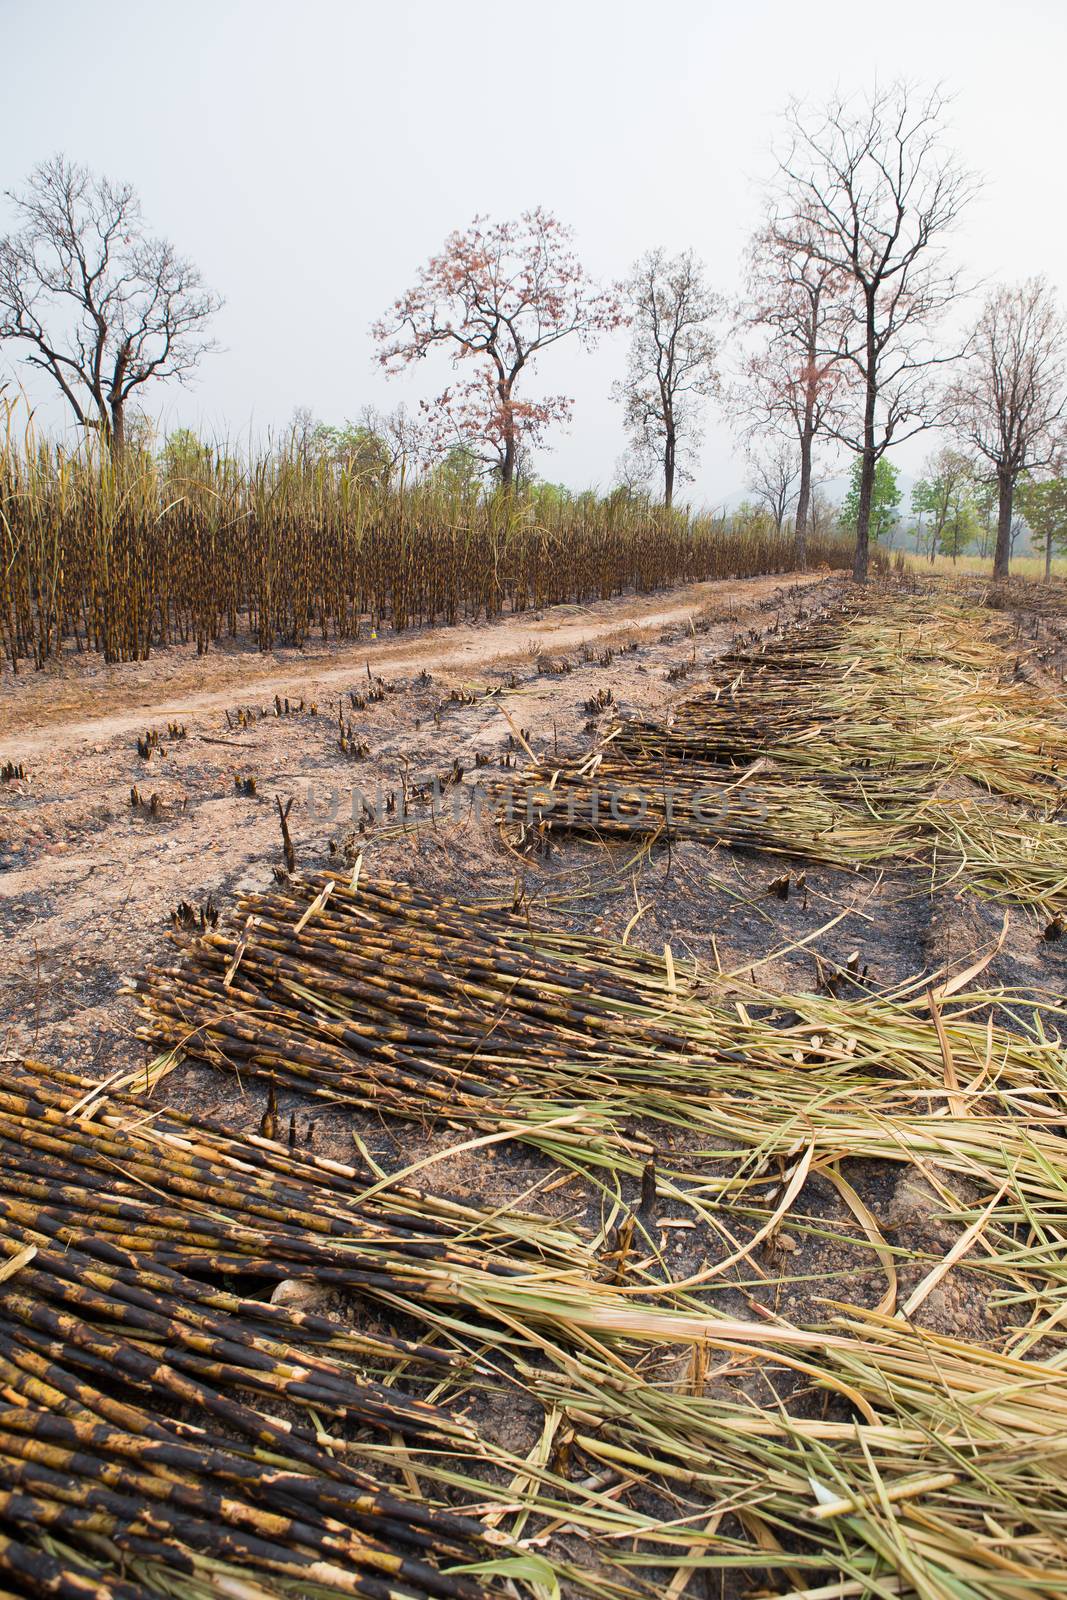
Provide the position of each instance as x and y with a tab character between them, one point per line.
88	882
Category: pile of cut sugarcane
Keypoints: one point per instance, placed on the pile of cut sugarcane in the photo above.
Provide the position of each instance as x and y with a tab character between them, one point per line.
606	1058
902	733
165	1429
904	1462
170	1427
162	1428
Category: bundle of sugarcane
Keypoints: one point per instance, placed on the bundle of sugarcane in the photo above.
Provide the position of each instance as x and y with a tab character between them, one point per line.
641	783
606	1058
178	1196
405	982
186	1197
141	1439
165	1433
916	683
285	1209
839	744
919	687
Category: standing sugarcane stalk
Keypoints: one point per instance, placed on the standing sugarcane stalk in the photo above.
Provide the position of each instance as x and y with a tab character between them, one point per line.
126	557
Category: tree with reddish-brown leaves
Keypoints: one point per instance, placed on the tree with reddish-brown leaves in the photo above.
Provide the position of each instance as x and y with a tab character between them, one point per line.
496	296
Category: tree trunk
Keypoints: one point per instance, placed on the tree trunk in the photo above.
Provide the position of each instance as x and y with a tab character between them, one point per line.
807	435
507	466
1002	554
1048	555
117	430
863	514
779	515
870	459
803	500
669	449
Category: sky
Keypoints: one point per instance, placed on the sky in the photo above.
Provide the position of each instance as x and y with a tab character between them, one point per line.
311	157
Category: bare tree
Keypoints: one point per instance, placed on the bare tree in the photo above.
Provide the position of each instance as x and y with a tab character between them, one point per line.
672	362
632	473
773	479
103	307
792	385
822	511
376	445
299	437
1010	400
869	191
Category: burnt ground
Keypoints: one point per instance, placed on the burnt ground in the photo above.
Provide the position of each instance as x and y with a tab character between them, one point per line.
88	882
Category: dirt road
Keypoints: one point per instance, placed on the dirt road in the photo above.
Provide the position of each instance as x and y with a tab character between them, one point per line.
81	699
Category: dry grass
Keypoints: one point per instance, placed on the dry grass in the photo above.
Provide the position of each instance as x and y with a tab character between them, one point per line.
973	565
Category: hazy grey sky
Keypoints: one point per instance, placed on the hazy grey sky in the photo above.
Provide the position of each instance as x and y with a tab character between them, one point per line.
309	156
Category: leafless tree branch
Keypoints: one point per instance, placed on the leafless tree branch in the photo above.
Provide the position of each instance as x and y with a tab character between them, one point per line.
867	190
99	305
672	361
